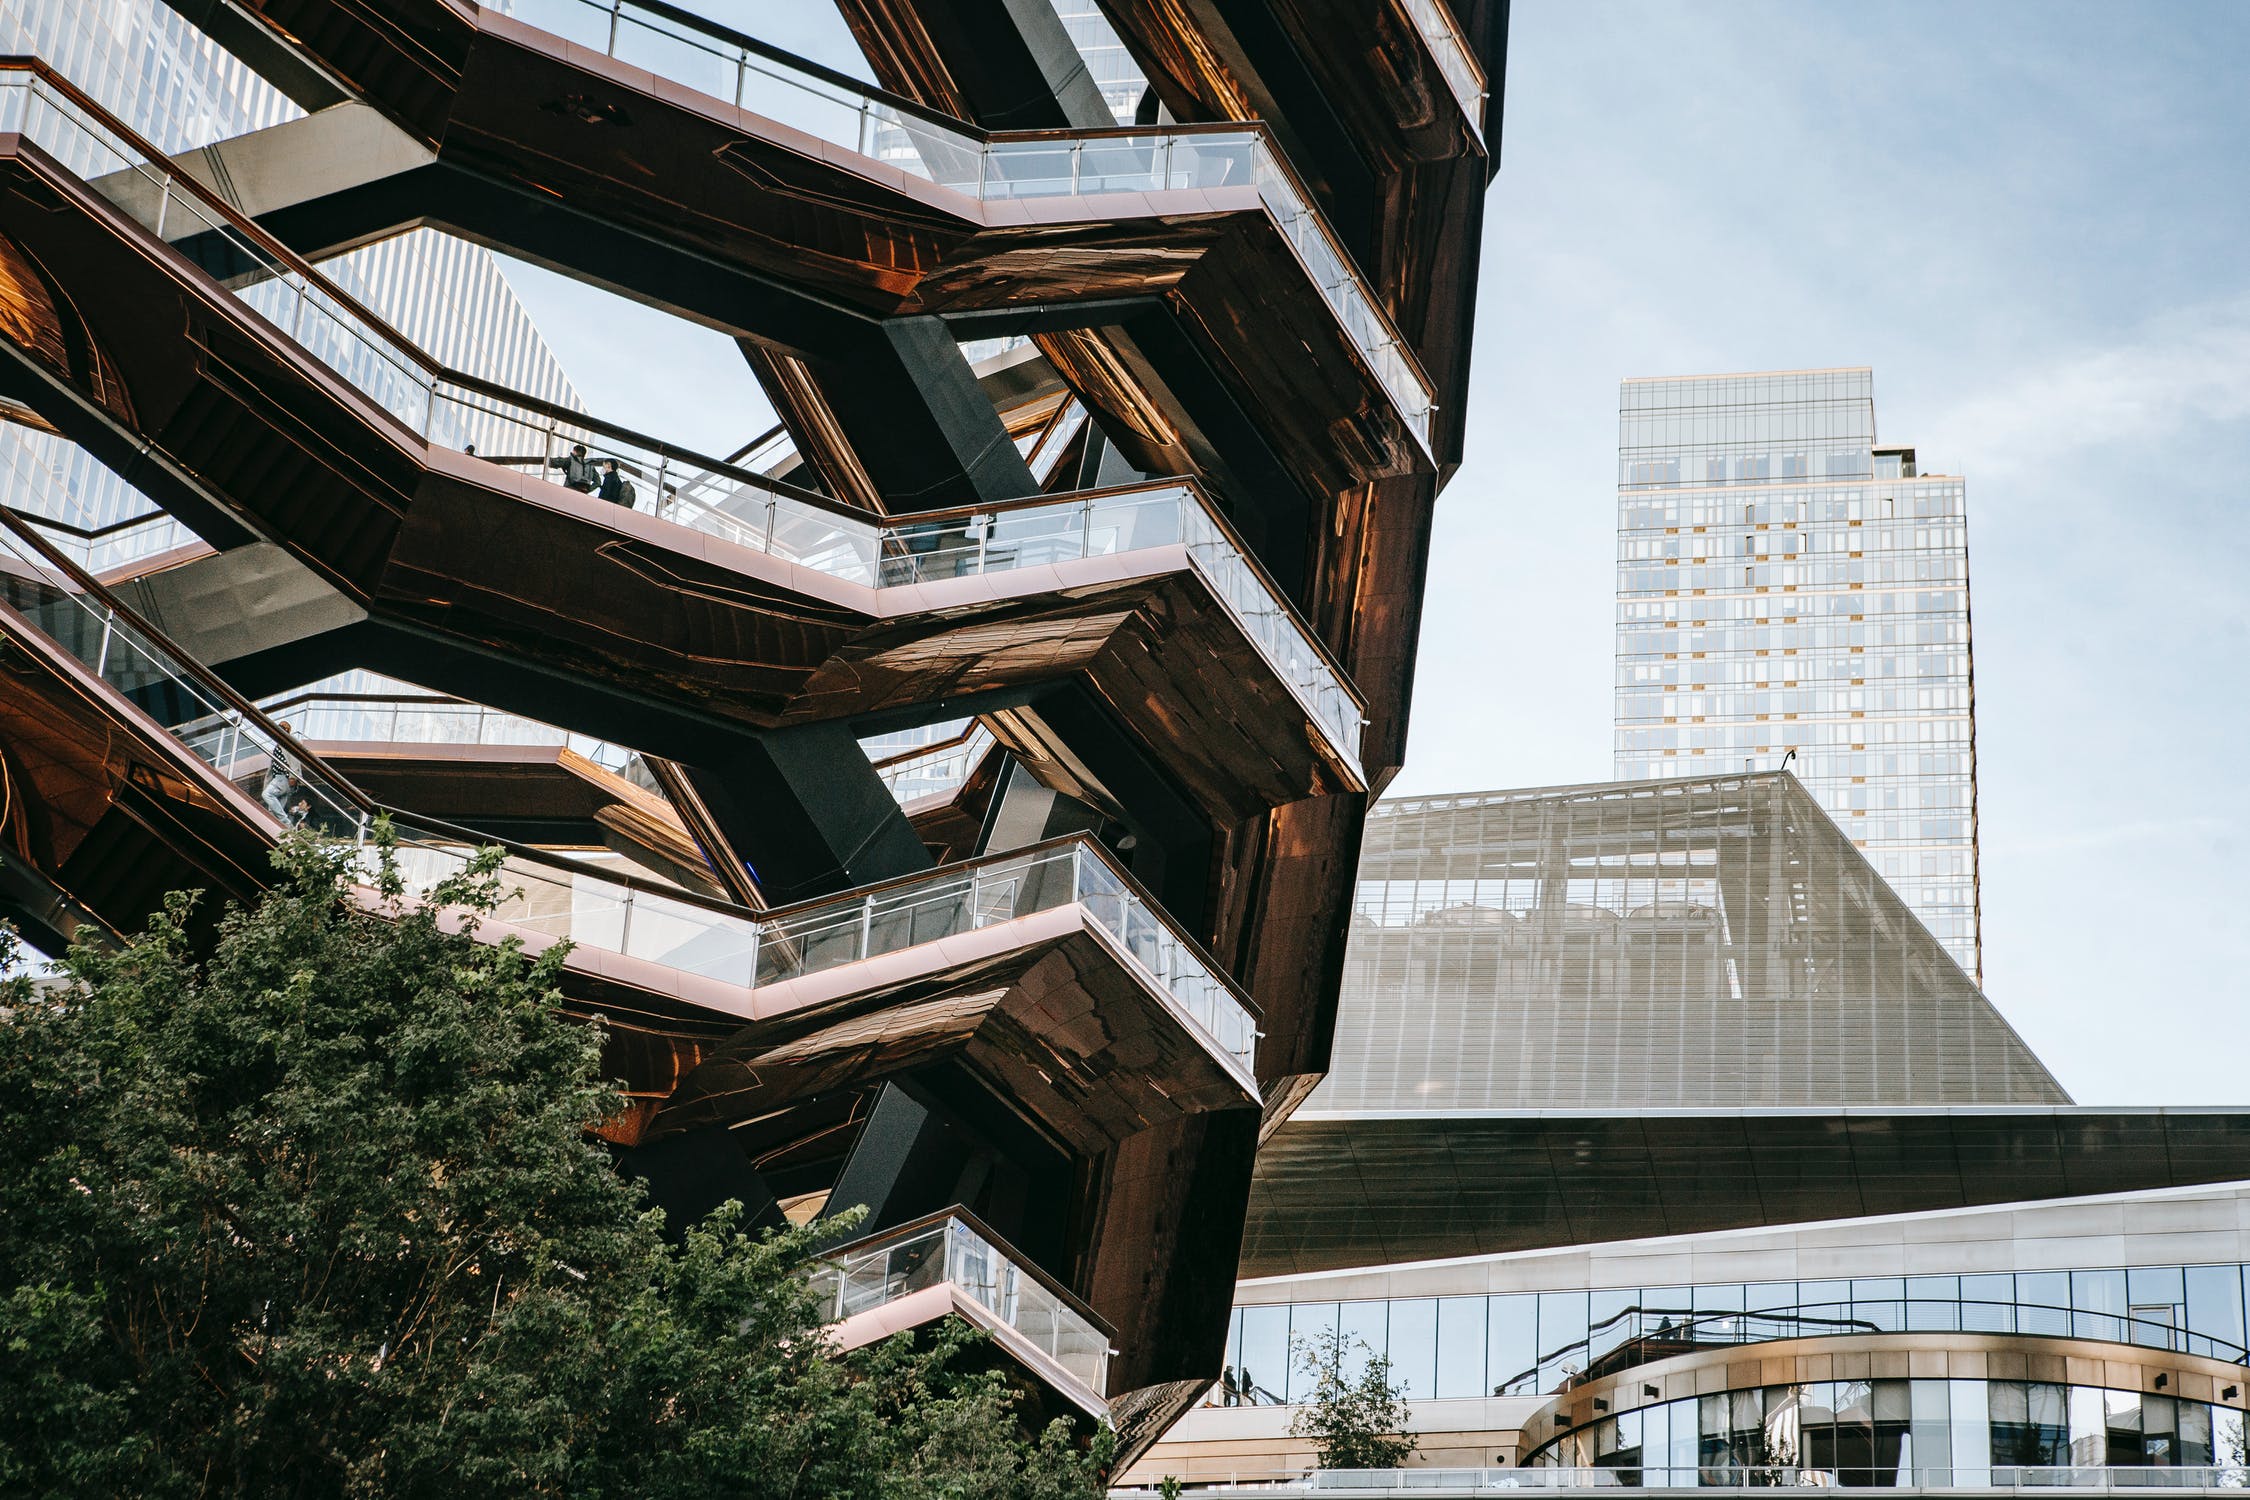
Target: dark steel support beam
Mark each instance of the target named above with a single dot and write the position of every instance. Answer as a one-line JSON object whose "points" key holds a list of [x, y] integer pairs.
{"points": [[690, 1174], [807, 811], [891, 416]]}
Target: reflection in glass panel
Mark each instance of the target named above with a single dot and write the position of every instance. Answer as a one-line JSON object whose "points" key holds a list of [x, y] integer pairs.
{"points": [[1933, 1303], [2097, 1300], [1262, 1368], [2230, 1436], [1825, 1299], [1413, 1346], [2194, 1444], [2156, 1299], [1608, 1322], [1562, 1329], [1876, 1302], [2089, 1427], [1461, 1348], [1512, 1337], [1988, 1304], [1311, 1326], [1972, 1433], [1767, 1296], [2030, 1423], [1366, 1332], [1929, 1442], [2214, 1307], [2043, 1303]]}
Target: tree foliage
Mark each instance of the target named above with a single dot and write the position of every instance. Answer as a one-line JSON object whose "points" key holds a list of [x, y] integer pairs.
{"points": [[1354, 1421], [316, 1214]]}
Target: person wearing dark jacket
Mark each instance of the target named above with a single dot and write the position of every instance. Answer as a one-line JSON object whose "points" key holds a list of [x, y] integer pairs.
{"points": [[616, 488], [578, 470]]}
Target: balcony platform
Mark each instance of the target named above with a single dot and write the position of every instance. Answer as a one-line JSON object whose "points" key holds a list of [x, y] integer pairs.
{"points": [[686, 633]]}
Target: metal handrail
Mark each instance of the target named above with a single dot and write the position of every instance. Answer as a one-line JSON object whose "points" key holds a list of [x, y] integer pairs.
{"points": [[951, 1247], [352, 810], [868, 541], [1390, 345], [1813, 1325], [1040, 1274]]}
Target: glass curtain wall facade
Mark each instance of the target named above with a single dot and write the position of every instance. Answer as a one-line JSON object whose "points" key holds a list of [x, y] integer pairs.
{"points": [[170, 82], [1886, 1432], [1786, 583], [1529, 1343]]}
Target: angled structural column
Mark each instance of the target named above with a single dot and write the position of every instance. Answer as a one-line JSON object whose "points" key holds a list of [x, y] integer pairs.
{"points": [[892, 418]]}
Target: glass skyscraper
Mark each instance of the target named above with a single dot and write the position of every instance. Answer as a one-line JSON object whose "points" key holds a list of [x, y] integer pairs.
{"points": [[1787, 583]]}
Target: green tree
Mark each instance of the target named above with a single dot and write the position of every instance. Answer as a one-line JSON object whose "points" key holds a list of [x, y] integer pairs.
{"points": [[316, 1214], [1353, 1422]]}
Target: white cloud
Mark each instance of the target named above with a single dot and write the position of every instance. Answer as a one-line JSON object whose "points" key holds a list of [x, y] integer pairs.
{"points": [[2185, 368]]}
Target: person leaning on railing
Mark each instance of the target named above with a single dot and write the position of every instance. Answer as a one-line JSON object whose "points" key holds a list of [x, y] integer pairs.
{"points": [[577, 469]]}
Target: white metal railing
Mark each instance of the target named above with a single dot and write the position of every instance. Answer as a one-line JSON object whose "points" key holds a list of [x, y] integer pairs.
{"points": [[713, 498], [355, 718], [564, 900], [115, 547], [836, 109], [874, 1272]]}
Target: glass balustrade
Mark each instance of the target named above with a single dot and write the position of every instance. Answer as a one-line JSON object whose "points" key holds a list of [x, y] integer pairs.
{"points": [[117, 545], [718, 499], [938, 770], [874, 1272], [562, 900], [844, 112], [356, 718], [1464, 75]]}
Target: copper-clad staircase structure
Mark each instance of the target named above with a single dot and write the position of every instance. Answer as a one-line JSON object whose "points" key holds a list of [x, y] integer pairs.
{"points": [[1141, 594]]}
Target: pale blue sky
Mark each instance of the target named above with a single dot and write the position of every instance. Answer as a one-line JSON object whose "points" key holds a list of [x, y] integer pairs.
{"points": [[2031, 219]]}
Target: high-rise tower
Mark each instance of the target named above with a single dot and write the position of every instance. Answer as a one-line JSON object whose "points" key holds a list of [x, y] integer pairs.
{"points": [[1788, 583]]}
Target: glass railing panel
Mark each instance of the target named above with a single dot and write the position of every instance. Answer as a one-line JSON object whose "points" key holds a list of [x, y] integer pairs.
{"points": [[920, 915], [1122, 164], [824, 541], [1044, 168], [664, 50], [859, 1280], [999, 167], [1036, 536], [868, 1279], [789, 528], [693, 939], [991, 1277], [1182, 976], [930, 551], [1218, 160], [1463, 76], [573, 20], [1134, 520], [589, 909]]}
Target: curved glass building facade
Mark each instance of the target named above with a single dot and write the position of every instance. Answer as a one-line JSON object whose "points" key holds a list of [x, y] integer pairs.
{"points": [[1966, 1433], [1531, 1343]]}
